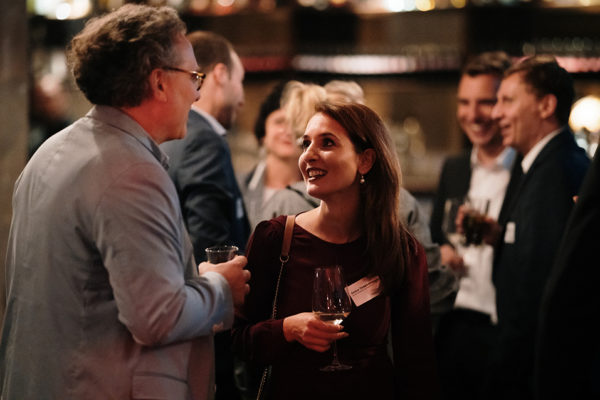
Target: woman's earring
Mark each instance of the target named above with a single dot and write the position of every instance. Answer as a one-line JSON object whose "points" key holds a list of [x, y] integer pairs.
{"points": [[362, 179]]}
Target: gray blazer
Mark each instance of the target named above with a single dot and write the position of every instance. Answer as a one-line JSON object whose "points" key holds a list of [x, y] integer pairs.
{"points": [[104, 300]]}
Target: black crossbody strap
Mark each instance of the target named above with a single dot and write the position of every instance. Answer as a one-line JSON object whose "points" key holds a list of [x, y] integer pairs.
{"points": [[284, 258]]}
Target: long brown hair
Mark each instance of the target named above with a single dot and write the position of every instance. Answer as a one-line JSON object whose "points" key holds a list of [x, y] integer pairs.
{"points": [[389, 244]]}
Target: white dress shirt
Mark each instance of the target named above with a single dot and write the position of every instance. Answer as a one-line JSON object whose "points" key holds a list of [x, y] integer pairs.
{"points": [[476, 290], [536, 150]]}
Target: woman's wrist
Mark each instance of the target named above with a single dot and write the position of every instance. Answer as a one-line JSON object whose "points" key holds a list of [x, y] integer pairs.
{"points": [[287, 329]]}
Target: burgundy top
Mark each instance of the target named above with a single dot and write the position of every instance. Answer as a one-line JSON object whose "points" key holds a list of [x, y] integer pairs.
{"points": [[296, 372]]}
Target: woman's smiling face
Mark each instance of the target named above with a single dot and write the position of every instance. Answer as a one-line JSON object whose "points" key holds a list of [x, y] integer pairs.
{"points": [[329, 161]]}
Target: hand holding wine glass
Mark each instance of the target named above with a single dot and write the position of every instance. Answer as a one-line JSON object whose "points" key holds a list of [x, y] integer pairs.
{"points": [[474, 220], [311, 332], [331, 304], [475, 224], [465, 221], [449, 223]]}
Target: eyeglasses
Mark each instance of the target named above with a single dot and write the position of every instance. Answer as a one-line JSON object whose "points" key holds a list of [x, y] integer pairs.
{"points": [[197, 77]]}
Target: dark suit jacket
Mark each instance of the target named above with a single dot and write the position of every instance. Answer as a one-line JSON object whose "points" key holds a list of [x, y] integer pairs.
{"points": [[212, 205], [568, 347], [539, 212]]}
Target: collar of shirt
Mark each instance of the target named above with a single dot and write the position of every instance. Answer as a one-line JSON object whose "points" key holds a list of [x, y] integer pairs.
{"points": [[504, 160], [530, 157], [257, 175], [211, 120], [114, 117]]}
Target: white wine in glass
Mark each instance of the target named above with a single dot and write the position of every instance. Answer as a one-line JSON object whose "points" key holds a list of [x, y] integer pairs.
{"points": [[335, 318], [331, 304]]}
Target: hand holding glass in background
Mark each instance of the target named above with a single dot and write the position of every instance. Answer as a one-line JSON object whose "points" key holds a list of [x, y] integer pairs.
{"points": [[464, 222], [474, 220]]}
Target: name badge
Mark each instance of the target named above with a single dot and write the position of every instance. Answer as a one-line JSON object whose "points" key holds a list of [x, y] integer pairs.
{"points": [[239, 208], [509, 234], [363, 290]]}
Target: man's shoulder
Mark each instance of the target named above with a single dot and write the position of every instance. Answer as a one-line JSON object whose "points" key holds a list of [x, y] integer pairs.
{"points": [[198, 128], [458, 161], [456, 170], [104, 145], [560, 156], [555, 175], [200, 138]]}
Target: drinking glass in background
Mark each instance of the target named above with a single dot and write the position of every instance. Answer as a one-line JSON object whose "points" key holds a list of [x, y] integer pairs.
{"points": [[473, 223], [331, 303], [220, 254], [451, 206]]}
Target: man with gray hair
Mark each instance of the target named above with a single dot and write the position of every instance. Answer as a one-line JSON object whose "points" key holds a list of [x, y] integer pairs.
{"points": [[105, 300]]}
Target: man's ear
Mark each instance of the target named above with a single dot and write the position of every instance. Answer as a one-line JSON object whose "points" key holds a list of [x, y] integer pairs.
{"points": [[221, 73], [547, 105], [366, 161], [158, 84]]}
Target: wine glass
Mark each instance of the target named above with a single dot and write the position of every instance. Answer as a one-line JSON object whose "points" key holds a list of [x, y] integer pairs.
{"points": [[330, 303], [451, 207], [473, 224]]}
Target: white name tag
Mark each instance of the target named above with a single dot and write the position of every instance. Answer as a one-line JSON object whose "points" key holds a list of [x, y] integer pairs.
{"points": [[509, 234], [363, 290], [239, 208]]}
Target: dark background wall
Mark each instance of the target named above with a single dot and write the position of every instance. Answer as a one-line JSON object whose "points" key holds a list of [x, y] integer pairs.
{"points": [[13, 113]]}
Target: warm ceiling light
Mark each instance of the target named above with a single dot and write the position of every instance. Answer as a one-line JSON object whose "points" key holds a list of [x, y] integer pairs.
{"points": [[62, 9], [586, 114]]}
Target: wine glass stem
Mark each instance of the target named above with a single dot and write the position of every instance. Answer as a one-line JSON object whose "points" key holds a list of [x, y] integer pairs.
{"points": [[335, 360]]}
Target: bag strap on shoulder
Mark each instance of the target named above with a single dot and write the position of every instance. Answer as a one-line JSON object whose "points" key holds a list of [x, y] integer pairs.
{"points": [[284, 257], [287, 238]]}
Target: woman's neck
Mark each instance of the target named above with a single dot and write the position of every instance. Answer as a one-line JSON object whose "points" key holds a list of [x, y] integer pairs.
{"points": [[279, 172], [334, 221]]}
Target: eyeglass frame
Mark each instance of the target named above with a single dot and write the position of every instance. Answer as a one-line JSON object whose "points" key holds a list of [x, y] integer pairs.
{"points": [[197, 76]]}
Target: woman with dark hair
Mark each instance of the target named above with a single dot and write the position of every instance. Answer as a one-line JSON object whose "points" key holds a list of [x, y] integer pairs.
{"points": [[349, 163]]}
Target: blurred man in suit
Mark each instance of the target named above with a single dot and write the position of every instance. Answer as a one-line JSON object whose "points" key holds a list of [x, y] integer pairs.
{"points": [[568, 349], [200, 164], [467, 332], [201, 168], [534, 103]]}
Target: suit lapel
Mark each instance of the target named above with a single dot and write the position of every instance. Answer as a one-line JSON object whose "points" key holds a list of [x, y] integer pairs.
{"points": [[513, 188], [463, 180], [560, 141]]}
